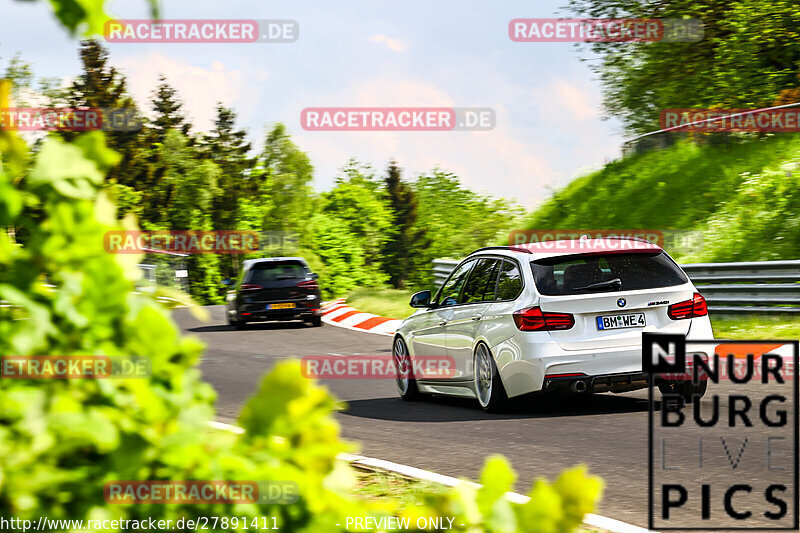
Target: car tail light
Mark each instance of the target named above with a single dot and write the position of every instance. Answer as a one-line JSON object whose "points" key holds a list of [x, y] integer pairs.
{"points": [[249, 287], [534, 319], [308, 284], [689, 308]]}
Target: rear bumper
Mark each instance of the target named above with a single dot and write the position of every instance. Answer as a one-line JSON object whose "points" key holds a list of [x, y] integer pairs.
{"points": [[624, 382], [531, 366], [278, 314]]}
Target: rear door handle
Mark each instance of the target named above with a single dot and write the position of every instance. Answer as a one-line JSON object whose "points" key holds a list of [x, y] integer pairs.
{"points": [[443, 323], [476, 317]]}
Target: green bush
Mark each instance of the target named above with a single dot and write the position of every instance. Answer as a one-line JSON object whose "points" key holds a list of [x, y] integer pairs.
{"points": [[761, 222], [342, 258]]}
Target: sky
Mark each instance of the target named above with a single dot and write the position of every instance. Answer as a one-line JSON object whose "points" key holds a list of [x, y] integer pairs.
{"points": [[549, 124]]}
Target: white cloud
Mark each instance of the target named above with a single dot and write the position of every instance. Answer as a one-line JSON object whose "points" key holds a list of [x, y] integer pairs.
{"points": [[576, 100], [567, 101], [199, 88], [394, 45], [497, 161]]}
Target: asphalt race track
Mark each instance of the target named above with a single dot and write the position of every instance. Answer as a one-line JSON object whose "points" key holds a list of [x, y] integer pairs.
{"points": [[449, 436]]}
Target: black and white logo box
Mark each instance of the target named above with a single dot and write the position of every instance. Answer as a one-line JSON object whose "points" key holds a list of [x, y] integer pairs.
{"points": [[730, 461]]}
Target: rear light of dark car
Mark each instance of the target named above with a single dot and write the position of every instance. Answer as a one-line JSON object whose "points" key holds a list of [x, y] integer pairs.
{"points": [[249, 287], [688, 309], [308, 284], [534, 319]]}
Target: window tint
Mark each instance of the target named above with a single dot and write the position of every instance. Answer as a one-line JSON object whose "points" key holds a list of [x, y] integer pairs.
{"points": [[481, 282], [491, 284], [450, 291], [509, 284], [275, 271], [595, 273]]}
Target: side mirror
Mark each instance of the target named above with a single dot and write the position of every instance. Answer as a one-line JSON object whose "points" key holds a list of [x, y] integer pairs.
{"points": [[314, 275], [227, 281], [421, 299]]}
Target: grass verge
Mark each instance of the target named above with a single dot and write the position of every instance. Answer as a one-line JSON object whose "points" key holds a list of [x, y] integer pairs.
{"points": [[377, 485], [392, 303], [756, 327]]}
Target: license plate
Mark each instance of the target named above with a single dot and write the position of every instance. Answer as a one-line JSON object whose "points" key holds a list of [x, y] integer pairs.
{"points": [[628, 320], [281, 306]]}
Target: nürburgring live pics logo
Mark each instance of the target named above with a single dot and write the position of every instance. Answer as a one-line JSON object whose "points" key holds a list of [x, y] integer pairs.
{"points": [[730, 460]]}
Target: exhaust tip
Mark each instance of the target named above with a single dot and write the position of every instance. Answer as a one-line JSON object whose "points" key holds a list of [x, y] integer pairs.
{"points": [[578, 386]]}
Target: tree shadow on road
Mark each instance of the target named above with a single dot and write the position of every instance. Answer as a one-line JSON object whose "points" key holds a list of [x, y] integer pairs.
{"points": [[447, 409]]}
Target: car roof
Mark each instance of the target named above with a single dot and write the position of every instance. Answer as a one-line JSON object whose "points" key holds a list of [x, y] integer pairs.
{"points": [[545, 249], [250, 262]]}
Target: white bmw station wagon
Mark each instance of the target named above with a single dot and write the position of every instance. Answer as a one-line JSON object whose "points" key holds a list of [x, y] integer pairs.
{"points": [[551, 316]]}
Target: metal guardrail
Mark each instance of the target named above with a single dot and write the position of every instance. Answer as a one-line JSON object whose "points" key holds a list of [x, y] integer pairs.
{"points": [[748, 287], [442, 269], [761, 287]]}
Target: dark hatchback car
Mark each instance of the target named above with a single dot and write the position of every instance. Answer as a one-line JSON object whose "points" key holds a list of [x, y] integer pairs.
{"points": [[275, 288]]}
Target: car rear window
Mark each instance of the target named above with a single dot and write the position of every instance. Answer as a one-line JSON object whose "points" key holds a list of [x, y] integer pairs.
{"points": [[275, 271], [589, 274]]}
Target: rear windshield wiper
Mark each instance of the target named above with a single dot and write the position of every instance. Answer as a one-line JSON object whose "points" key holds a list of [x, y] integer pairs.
{"points": [[616, 282]]}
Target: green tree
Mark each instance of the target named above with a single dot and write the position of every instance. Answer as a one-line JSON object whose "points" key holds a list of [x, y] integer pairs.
{"points": [[228, 148], [749, 54], [284, 173], [340, 254], [185, 195], [20, 74], [168, 110], [359, 200], [402, 252], [189, 184], [101, 86], [460, 220]]}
